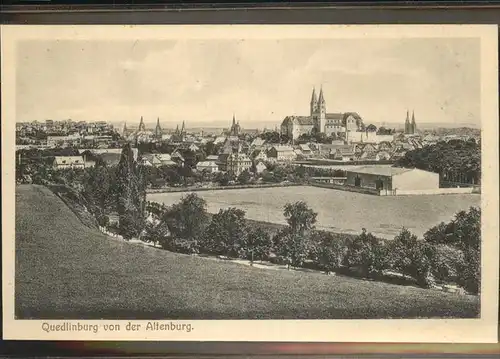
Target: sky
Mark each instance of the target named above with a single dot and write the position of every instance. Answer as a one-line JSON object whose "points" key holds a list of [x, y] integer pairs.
{"points": [[203, 82]]}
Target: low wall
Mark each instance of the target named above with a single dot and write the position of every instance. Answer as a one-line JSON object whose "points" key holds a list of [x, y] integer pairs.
{"points": [[345, 188], [197, 189], [321, 162], [399, 192]]}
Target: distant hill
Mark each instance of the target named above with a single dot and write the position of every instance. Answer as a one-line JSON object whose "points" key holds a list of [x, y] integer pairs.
{"points": [[428, 125]]}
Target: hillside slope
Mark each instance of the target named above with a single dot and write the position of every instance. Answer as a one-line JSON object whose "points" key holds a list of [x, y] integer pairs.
{"points": [[67, 270]]}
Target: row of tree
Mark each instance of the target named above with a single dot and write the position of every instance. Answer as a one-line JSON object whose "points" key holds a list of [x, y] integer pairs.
{"points": [[448, 255], [448, 159]]}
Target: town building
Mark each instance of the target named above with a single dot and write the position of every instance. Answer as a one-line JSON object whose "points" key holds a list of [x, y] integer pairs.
{"points": [[208, 166], [234, 163], [68, 162], [343, 153], [260, 167], [392, 180], [259, 155], [281, 153], [319, 121]]}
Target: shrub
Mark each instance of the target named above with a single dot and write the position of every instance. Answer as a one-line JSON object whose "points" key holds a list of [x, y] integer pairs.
{"points": [[328, 253], [188, 218], [366, 254], [448, 263], [256, 245], [225, 232], [185, 246], [291, 247], [412, 257]]}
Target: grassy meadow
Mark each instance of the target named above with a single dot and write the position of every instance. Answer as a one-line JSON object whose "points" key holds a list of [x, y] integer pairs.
{"points": [[65, 270], [338, 211]]}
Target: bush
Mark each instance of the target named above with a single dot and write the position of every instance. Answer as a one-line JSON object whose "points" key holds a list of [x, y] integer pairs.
{"points": [[448, 263], [411, 256], [291, 247], [225, 232], [328, 253], [186, 246], [470, 275], [257, 245], [102, 220], [366, 254]]}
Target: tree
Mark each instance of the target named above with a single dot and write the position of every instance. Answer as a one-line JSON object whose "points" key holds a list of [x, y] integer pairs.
{"points": [[187, 219], [463, 233], [299, 217], [223, 178], [271, 137], [412, 257], [130, 195], [367, 254], [226, 231], [371, 128], [98, 189], [438, 234], [158, 232], [329, 252], [256, 245], [455, 161], [291, 247], [244, 177], [448, 263]]}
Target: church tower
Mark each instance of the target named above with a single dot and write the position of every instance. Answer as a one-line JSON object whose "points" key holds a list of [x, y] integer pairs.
{"points": [[413, 123], [158, 131], [407, 123], [142, 127], [235, 128], [314, 103], [321, 111]]}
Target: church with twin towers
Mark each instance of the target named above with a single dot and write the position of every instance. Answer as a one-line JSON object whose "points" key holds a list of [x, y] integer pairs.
{"points": [[321, 121]]}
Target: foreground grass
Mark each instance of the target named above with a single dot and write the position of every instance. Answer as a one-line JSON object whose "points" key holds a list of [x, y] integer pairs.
{"points": [[66, 270]]}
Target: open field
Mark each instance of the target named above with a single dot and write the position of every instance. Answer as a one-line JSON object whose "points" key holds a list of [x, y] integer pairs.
{"points": [[65, 270], [339, 211]]}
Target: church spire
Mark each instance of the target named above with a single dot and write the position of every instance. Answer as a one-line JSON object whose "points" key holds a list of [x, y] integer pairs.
{"points": [[142, 127], [158, 128], [413, 123], [321, 99], [183, 128], [407, 122], [314, 99]]}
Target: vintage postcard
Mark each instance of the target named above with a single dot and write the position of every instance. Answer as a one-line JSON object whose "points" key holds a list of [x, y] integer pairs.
{"points": [[250, 183]]}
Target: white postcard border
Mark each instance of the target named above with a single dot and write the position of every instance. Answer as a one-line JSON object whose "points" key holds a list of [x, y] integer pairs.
{"points": [[482, 330]]}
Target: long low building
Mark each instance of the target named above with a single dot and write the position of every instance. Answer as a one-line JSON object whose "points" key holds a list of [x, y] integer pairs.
{"points": [[393, 180]]}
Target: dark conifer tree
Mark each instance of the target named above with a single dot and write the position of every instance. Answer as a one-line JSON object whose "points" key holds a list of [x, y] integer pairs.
{"points": [[131, 195]]}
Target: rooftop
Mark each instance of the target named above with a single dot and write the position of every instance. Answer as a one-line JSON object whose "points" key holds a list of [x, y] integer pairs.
{"points": [[381, 171]]}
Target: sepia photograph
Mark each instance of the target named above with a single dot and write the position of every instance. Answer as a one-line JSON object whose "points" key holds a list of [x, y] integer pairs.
{"points": [[175, 179]]}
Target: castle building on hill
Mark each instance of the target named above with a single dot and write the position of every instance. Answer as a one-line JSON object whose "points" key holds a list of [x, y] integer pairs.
{"points": [[410, 127], [319, 121]]}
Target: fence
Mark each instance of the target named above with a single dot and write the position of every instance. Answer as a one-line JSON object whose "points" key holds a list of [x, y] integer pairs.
{"points": [[345, 188], [322, 162], [401, 192], [215, 188]]}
